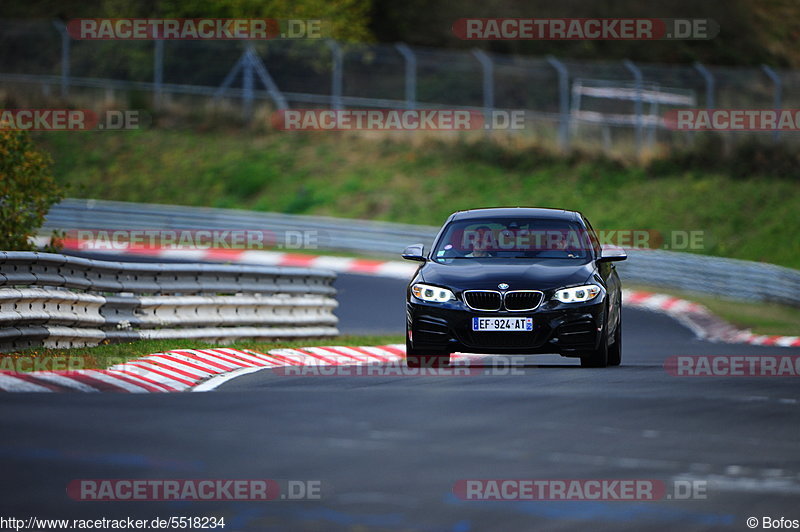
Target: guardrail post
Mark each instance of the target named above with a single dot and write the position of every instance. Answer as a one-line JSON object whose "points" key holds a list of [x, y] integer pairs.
{"points": [[637, 76], [488, 81], [708, 77], [336, 74], [66, 42], [411, 74], [777, 95], [563, 102], [247, 85], [158, 72]]}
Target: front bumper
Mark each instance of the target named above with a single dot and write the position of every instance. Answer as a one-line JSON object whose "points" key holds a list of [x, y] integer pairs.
{"points": [[567, 329]]}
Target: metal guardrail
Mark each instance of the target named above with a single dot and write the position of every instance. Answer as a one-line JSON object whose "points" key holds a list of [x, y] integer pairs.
{"points": [[730, 278], [358, 236], [61, 301], [686, 271]]}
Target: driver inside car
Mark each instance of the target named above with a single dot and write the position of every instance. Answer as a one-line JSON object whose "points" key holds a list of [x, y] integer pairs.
{"points": [[480, 244]]}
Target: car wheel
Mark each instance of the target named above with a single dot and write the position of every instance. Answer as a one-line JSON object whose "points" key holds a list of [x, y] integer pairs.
{"points": [[419, 358], [615, 351], [597, 358]]}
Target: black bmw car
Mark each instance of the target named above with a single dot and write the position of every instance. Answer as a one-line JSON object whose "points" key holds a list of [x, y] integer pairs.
{"points": [[515, 280]]}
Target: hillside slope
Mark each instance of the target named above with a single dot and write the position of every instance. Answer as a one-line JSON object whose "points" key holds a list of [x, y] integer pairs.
{"points": [[397, 180]]}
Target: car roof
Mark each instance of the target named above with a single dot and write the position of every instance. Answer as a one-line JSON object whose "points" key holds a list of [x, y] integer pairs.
{"points": [[525, 212]]}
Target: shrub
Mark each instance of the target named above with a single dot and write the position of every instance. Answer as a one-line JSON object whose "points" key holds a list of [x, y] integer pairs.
{"points": [[27, 190]]}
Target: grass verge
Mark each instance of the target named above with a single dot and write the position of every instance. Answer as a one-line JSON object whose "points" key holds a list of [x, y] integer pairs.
{"points": [[403, 179], [103, 356]]}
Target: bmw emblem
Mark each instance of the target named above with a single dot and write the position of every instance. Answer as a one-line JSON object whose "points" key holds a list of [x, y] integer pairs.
{"points": [[503, 286]]}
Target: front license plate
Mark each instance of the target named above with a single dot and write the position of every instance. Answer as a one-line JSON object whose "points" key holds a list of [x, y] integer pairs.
{"points": [[502, 324]]}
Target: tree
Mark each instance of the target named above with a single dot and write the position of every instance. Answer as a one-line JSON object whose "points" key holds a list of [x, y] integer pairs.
{"points": [[348, 19], [27, 189]]}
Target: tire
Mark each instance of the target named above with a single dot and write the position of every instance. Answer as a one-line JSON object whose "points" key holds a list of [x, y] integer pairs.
{"points": [[615, 350], [417, 358], [597, 358]]}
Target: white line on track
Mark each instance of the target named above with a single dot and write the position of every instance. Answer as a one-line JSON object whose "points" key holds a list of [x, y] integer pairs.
{"points": [[218, 380]]}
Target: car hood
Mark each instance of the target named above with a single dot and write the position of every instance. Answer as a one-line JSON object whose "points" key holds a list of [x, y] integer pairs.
{"points": [[528, 275]]}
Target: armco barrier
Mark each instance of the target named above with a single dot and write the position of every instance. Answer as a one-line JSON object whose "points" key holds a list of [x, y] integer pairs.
{"points": [[687, 271], [61, 301], [359, 236], [731, 278]]}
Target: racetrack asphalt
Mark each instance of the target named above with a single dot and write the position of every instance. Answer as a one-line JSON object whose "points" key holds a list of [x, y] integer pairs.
{"points": [[388, 450]]}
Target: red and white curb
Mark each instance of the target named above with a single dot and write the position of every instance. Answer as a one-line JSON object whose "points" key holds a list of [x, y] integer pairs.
{"points": [[701, 321], [392, 268], [184, 369]]}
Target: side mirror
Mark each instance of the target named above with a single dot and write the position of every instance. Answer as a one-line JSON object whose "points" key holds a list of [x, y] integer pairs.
{"points": [[612, 254], [415, 252]]}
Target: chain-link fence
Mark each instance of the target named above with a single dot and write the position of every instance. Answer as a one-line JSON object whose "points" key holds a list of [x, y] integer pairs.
{"points": [[612, 105]]}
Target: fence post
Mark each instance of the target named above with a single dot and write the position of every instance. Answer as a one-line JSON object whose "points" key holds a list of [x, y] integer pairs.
{"points": [[563, 102], [158, 72], [709, 80], [336, 75], [272, 88], [247, 85], [488, 82], [637, 76], [411, 74], [575, 104], [65, 53], [777, 94]]}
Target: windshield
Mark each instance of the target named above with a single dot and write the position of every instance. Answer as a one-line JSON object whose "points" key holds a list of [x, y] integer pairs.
{"points": [[513, 238]]}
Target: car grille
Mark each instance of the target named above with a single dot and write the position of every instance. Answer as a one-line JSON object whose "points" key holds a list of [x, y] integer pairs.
{"points": [[523, 300], [483, 299], [517, 300]]}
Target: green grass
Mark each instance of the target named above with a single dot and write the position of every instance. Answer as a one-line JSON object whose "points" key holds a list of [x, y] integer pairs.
{"points": [[422, 180], [760, 318], [103, 356]]}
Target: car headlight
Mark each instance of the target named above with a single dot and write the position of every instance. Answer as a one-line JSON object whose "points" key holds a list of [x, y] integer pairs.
{"points": [[434, 294], [577, 294]]}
